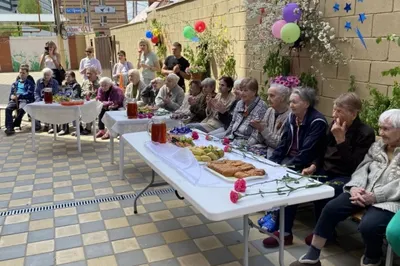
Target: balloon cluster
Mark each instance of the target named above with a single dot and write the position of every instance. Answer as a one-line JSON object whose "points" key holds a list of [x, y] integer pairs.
{"points": [[153, 35], [190, 33], [287, 29]]}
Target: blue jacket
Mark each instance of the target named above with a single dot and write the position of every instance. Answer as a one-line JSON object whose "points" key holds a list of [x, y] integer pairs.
{"points": [[28, 95], [39, 94], [311, 140]]}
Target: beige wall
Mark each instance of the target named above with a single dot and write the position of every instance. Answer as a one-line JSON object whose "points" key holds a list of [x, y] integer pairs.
{"points": [[383, 17]]}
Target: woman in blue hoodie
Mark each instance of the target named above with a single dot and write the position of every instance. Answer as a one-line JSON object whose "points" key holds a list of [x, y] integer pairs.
{"points": [[302, 142]]}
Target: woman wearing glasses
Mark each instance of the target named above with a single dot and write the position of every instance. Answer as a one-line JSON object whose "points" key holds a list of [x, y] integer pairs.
{"points": [[89, 61]]}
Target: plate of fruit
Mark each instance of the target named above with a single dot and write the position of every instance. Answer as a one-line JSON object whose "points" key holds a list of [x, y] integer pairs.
{"points": [[181, 141], [205, 154]]}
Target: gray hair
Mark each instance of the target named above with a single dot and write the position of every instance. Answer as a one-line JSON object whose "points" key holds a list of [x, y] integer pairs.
{"points": [[47, 70], [173, 77], [237, 83], [209, 82], [392, 116], [307, 94], [92, 69], [106, 81], [283, 90], [135, 72]]}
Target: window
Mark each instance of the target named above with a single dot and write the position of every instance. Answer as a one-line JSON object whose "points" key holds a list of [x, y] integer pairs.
{"points": [[86, 20], [103, 20]]}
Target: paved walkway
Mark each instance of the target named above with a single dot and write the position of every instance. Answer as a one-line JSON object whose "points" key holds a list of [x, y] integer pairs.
{"points": [[166, 232]]}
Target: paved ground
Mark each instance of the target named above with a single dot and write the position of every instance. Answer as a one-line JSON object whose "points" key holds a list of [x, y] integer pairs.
{"points": [[166, 232]]}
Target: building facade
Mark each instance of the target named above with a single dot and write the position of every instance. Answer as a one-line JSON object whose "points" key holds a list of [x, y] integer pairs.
{"points": [[89, 15]]}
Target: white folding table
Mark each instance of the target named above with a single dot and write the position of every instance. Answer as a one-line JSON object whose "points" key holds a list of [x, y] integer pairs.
{"points": [[118, 123], [214, 202], [56, 114]]}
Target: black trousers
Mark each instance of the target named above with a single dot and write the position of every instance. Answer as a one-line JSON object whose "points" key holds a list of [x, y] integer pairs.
{"points": [[10, 124], [101, 124], [372, 226]]}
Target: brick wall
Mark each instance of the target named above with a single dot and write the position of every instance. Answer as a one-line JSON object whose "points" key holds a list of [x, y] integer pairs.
{"points": [[383, 17]]}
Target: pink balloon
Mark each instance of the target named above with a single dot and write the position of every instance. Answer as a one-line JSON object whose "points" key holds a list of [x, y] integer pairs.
{"points": [[276, 28]]}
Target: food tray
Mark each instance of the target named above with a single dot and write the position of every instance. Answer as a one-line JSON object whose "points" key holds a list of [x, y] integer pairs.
{"points": [[73, 103], [233, 179]]}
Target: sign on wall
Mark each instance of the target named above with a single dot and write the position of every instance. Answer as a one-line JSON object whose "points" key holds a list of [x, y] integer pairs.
{"points": [[104, 9], [75, 10]]}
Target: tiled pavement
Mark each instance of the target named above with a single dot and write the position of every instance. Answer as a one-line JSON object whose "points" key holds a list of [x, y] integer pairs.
{"points": [[166, 232]]}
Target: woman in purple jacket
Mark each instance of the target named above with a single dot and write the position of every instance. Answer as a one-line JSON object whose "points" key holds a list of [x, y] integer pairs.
{"points": [[112, 98]]}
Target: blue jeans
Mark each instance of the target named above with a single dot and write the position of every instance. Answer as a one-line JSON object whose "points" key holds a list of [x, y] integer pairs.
{"points": [[372, 226], [290, 211]]}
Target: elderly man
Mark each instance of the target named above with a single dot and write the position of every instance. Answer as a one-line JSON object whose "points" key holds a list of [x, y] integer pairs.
{"points": [[90, 86], [22, 93], [171, 95], [374, 188], [347, 142]]}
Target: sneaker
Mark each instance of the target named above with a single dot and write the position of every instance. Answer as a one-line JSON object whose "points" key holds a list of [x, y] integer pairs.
{"points": [[271, 242], [46, 128], [369, 262], [100, 134], [51, 131], [306, 262], [62, 133], [9, 132]]}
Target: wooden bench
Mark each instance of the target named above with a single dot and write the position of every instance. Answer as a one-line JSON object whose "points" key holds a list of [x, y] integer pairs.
{"points": [[389, 252]]}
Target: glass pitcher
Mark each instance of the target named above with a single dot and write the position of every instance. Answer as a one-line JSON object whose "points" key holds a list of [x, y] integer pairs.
{"points": [[132, 109], [157, 128], [48, 95]]}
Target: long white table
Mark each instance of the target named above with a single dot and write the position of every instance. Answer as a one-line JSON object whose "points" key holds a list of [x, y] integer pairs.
{"points": [[214, 202], [118, 123], [56, 114]]}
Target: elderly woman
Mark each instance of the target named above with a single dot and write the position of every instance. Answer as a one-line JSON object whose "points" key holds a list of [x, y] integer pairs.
{"points": [[250, 108], [112, 98], [149, 94], [225, 115], [147, 61], [45, 82], [171, 95], [193, 108], [374, 187], [215, 103], [135, 86], [347, 141], [271, 126], [121, 68]]}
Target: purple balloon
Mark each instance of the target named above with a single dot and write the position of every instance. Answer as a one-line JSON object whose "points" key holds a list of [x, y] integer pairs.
{"points": [[291, 12]]}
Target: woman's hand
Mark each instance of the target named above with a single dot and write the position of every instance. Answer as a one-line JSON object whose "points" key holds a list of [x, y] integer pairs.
{"points": [[220, 107], [357, 196], [144, 66], [257, 124], [192, 100], [309, 170]]}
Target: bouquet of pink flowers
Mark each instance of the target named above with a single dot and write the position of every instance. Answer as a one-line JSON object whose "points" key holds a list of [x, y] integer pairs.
{"points": [[287, 81]]}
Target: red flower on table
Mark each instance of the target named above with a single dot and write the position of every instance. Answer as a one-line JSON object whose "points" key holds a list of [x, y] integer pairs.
{"points": [[240, 185], [226, 141], [208, 137], [195, 135], [227, 148], [235, 196]]}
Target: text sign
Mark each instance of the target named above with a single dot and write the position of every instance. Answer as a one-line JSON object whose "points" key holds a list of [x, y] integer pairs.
{"points": [[104, 9], [75, 10]]}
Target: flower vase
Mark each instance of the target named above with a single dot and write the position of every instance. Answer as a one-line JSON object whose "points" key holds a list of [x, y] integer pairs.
{"points": [[196, 76]]}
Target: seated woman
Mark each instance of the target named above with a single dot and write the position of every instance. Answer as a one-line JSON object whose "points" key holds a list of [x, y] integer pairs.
{"points": [[271, 126], [193, 108], [251, 107], [46, 81], [225, 115], [73, 90], [347, 142], [222, 101], [135, 86], [374, 188], [171, 95], [149, 94], [393, 233], [112, 98]]}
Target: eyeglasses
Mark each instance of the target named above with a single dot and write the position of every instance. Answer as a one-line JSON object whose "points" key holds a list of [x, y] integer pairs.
{"points": [[89, 52]]}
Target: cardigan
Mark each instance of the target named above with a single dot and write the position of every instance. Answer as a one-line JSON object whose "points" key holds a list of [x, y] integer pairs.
{"points": [[115, 97], [380, 176], [176, 96]]}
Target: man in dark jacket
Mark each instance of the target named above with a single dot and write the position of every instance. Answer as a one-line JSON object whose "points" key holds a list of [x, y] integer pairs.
{"points": [[347, 142], [22, 93]]}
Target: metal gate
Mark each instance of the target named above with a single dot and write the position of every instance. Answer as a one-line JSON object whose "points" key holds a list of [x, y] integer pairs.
{"points": [[105, 52]]}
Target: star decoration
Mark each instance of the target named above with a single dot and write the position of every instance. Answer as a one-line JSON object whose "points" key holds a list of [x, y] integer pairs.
{"points": [[362, 17], [347, 26], [347, 7], [361, 37], [336, 7]]}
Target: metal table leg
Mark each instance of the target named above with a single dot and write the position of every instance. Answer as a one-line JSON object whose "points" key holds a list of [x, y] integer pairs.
{"points": [[112, 148], [389, 256], [55, 131], [94, 130], [78, 135], [281, 235], [151, 184], [33, 130], [121, 157], [246, 230]]}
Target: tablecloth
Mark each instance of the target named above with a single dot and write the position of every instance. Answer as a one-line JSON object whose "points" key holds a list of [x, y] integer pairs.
{"points": [[57, 114], [117, 122]]}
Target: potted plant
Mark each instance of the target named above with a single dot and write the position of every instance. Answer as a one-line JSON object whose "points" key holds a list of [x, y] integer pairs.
{"points": [[197, 63]]}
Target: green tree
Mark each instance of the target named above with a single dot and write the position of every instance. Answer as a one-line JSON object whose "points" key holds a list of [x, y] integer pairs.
{"points": [[28, 6]]}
